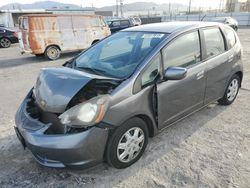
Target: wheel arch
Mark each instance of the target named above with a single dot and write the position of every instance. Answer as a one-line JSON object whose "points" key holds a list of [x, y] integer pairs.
{"points": [[52, 45], [95, 41], [148, 122], [240, 74]]}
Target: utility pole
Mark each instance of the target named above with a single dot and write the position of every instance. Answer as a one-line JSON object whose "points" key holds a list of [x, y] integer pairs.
{"points": [[189, 7], [121, 7], [117, 6]]}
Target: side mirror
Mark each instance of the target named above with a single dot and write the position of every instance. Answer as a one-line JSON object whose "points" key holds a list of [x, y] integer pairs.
{"points": [[175, 73]]}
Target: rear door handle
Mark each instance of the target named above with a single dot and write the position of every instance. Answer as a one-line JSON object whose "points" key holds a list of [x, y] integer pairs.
{"points": [[230, 58], [200, 75]]}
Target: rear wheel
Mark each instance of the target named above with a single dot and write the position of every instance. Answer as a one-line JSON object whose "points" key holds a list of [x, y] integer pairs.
{"points": [[127, 143], [231, 91], [52, 52], [5, 42]]}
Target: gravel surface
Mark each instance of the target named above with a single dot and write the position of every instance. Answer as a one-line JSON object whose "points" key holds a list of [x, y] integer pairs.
{"points": [[210, 148]]}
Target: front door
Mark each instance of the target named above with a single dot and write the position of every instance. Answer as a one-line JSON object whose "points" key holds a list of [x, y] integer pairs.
{"points": [[178, 98]]}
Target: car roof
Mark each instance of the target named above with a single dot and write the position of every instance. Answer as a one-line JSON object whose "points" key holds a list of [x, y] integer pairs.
{"points": [[170, 27], [124, 19]]}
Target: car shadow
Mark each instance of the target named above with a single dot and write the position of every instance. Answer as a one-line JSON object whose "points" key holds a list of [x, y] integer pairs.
{"points": [[32, 59], [21, 167]]}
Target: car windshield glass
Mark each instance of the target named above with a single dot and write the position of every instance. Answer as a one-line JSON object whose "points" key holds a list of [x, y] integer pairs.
{"points": [[118, 55], [221, 20]]}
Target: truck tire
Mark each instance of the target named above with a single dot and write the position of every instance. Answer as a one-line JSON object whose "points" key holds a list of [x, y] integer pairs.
{"points": [[52, 52]]}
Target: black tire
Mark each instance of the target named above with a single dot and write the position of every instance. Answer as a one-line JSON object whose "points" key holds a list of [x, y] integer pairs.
{"points": [[39, 55], [115, 139], [225, 100], [52, 52], [5, 42], [95, 41]]}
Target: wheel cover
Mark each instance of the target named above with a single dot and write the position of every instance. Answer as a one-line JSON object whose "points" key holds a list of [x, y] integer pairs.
{"points": [[52, 53], [232, 90], [5, 42], [130, 144]]}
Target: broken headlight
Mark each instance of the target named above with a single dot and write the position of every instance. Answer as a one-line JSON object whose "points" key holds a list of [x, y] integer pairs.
{"points": [[87, 113]]}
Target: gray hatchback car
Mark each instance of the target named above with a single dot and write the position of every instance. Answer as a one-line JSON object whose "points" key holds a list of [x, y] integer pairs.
{"points": [[104, 104]]}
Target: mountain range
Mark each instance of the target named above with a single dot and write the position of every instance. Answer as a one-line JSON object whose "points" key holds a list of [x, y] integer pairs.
{"points": [[137, 6]]}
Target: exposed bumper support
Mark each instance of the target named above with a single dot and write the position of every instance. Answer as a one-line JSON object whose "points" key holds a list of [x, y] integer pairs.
{"points": [[60, 150]]}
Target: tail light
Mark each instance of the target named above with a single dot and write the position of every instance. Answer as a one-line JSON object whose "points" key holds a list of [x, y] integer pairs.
{"points": [[15, 34]]}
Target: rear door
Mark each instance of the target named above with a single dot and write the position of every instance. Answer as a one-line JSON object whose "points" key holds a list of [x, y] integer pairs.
{"points": [[23, 35], [217, 60], [179, 98], [82, 31], [67, 41]]}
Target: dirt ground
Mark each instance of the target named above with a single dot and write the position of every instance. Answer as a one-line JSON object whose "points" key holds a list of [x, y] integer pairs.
{"points": [[211, 148]]}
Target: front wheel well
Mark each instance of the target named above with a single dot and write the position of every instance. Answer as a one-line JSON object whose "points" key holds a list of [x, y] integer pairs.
{"points": [[240, 74], [149, 123], [95, 41]]}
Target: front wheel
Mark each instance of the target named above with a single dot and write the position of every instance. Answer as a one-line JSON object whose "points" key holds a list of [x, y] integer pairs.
{"points": [[52, 52], [5, 42], [127, 143], [231, 91]]}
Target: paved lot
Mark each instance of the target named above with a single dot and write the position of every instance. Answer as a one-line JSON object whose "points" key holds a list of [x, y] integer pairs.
{"points": [[208, 149]]}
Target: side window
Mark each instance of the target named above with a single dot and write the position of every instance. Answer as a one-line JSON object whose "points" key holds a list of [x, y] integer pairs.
{"points": [[25, 23], [151, 71], [230, 36], [95, 22], [124, 22], [103, 23], [2, 31], [182, 52], [214, 42], [116, 23]]}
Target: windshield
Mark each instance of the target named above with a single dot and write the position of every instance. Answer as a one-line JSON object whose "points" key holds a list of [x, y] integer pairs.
{"points": [[221, 20], [118, 55]]}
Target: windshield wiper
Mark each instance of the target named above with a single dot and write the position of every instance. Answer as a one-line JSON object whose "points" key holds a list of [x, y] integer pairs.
{"points": [[95, 71]]}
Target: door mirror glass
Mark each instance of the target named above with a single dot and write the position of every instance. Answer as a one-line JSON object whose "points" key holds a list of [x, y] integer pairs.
{"points": [[175, 73]]}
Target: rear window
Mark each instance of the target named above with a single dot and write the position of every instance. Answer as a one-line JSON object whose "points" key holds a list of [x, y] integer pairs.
{"points": [[230, 36], [24, 23], [214, 42]]}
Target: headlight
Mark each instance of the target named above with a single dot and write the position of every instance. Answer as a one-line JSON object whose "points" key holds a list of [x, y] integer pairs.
{"points": [[87, 113]]}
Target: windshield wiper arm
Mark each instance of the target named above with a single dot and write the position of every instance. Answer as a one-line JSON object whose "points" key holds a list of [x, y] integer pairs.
{"points": [[93, 70]]}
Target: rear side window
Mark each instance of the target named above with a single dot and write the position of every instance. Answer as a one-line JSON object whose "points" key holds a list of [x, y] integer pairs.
{"points": [[214, 42], [230, 36], [116, 23], [182, 52], [124, 22]]}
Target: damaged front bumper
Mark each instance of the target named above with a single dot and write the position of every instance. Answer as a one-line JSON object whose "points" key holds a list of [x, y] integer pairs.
{"points": [[59, 150]]}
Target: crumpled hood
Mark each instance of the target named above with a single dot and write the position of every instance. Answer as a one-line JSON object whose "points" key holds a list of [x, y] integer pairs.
{"points": [[55, 87]]}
